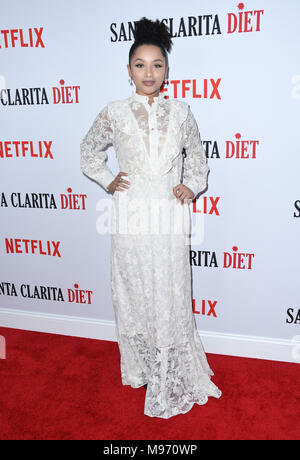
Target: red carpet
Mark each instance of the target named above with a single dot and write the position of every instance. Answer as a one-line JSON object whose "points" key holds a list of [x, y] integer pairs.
{"points": [[58, 387]]}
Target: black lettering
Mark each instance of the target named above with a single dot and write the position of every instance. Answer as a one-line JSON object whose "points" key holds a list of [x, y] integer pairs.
{"points": [[182, 28], [192, 25], [122, 33], [297, 206], [25, 94], [113, 32], [289, 313]]}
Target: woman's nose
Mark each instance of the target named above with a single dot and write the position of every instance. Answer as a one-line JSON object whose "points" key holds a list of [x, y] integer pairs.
{"points": [[148, 71]]}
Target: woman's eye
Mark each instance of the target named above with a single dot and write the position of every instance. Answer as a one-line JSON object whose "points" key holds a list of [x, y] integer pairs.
{"points": [[157, 66]]}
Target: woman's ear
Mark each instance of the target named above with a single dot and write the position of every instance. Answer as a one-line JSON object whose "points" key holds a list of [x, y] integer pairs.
{"points": [[129, 71]]}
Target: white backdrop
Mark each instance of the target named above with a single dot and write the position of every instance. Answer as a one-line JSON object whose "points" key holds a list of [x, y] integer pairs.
{"points": [[69, 57]]}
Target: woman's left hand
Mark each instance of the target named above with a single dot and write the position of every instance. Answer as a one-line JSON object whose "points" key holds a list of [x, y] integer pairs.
{"points": [[182, 192]]}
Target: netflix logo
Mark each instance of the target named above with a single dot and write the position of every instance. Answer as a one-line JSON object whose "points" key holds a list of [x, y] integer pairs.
{"points": [[206, 205], [206, 308], [22, 38], [22, 149], [34, 247], [195, 88]]}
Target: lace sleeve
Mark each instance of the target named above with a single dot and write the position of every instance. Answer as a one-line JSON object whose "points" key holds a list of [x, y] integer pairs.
{"points": [[92, 150], [195, 168]]}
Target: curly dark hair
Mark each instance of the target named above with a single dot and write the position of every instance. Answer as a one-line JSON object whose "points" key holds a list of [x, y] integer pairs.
{"points": [[149, 32]]}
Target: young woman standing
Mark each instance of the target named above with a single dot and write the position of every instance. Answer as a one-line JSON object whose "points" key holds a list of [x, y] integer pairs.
{"points": [[159, 345]]}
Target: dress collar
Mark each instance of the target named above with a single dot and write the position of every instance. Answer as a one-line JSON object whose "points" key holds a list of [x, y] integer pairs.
{"points": [[145, 99]]}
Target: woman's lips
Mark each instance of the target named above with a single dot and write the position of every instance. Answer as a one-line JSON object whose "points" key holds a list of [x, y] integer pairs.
{"points": [[149, 83]]}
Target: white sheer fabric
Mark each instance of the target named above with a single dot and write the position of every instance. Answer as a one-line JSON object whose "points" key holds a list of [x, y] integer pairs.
{"points": [[150, 266]]}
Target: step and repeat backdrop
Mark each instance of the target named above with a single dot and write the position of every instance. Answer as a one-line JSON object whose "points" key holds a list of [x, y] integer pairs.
{"points": [[237, 65]]}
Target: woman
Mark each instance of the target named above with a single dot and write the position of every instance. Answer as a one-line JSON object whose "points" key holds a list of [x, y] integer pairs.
{"points": [[150, 268]]}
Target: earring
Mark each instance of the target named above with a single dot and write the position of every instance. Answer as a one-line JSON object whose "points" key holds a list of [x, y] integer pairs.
{"points": [[130, 81]]}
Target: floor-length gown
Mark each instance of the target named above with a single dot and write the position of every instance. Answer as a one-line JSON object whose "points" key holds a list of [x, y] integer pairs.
{"points": [[150, 245]]}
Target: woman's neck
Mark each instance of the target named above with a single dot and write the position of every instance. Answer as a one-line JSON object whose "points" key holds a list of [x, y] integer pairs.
{"points": [[150, 96]]}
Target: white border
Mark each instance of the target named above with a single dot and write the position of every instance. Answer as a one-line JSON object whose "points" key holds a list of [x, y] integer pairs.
{"points": [[214, 342]]}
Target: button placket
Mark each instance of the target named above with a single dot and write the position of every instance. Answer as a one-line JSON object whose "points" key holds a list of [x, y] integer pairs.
{"points": [[153, 144]]}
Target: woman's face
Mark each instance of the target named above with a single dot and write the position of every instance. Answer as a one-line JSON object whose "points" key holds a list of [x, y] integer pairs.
{"points": [[148, 70]]}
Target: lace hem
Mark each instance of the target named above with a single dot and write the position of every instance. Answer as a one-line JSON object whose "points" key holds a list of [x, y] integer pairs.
{"points": [[177, 377]]}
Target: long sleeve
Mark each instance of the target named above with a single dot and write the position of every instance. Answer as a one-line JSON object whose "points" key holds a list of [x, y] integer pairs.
{"points": [[92, 150], [195, 169]]}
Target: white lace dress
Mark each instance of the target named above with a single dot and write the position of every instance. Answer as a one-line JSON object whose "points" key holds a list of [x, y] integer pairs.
{"points": [[150, 247]]}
